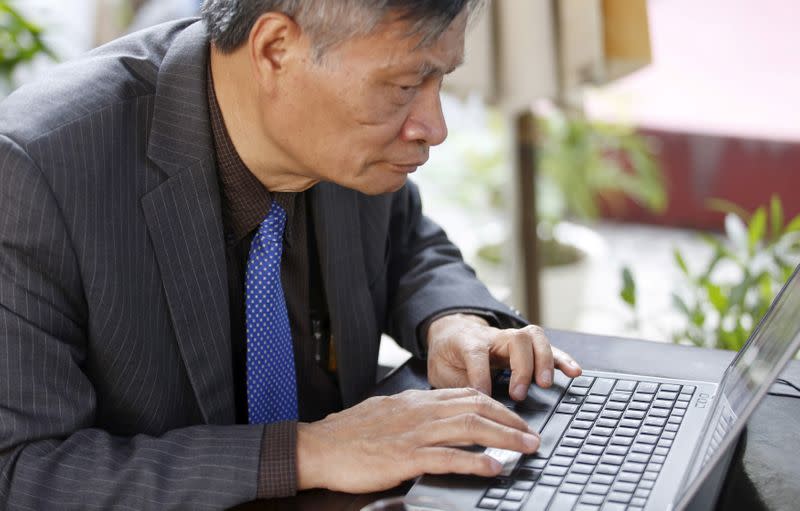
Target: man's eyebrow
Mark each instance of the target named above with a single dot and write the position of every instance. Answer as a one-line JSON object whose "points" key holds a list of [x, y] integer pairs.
{"points": [[428, 68]]}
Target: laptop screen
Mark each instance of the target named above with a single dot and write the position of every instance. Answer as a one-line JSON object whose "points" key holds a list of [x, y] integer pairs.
{"points": [[751, 373]]}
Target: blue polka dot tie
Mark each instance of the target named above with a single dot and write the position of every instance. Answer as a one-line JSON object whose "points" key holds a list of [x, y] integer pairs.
{"points": [[271, 380]]}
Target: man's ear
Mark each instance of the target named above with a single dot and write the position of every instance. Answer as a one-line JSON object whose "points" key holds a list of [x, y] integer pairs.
{"points": [[274, 40]]}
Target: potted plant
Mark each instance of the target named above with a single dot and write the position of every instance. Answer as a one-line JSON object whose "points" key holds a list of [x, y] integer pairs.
{"points": [[20, 43], [722, 300]]}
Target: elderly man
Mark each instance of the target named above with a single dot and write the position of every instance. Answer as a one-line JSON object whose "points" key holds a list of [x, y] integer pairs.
{"points": [[204, 229]]}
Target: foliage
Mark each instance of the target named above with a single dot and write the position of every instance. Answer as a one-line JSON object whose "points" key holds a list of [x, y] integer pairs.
{"points": [[582, 162], [20, 41], [724, 301]]}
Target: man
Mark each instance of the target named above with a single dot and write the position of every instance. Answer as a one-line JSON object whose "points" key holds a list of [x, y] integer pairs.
{"points": [[204, 228]]}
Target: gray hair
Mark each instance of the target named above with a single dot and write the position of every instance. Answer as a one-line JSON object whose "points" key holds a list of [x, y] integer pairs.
{"points": [[329, 22]]}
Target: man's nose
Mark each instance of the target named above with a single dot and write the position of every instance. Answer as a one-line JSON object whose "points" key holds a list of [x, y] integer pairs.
{"points": [[425, 122]]}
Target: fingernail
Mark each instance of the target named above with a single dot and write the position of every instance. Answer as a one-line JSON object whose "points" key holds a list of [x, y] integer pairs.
{"points": [[519, 392], [547, 377], [530, 441], [574, 364]]}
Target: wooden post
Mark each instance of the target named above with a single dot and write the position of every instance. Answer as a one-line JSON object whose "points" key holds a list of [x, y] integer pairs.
{"points": [[525, 135]]}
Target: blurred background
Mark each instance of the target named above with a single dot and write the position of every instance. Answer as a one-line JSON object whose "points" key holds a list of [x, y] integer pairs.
{"points": [[621, 167]]}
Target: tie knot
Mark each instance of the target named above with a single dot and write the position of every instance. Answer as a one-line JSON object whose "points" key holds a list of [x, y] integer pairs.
{"points": [[272, 227]]}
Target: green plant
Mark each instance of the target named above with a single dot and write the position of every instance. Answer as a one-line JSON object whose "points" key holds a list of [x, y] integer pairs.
{"points": [[725, 299], [20, 42], [583, 163]]}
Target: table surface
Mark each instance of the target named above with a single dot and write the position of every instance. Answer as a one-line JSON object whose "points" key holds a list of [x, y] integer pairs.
{"points": [[761, 474]]}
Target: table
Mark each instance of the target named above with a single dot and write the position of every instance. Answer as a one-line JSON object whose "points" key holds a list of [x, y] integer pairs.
{"points": [[762, 474]]}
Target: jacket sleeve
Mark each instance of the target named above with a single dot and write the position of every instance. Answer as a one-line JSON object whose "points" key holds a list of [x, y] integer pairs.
{"points": [[427, 276], [52, 456]]}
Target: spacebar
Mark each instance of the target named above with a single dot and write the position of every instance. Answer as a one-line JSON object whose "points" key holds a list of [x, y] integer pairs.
{"points": [[552, 433]]}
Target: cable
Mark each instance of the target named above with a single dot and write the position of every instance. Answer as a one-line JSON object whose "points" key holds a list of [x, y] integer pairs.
{"points": [[781, 381]]}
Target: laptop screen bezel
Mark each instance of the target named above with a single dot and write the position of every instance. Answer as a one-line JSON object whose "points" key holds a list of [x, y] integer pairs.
{"points": [[741, 421]]}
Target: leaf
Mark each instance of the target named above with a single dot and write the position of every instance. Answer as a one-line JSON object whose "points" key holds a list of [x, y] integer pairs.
{"points": [[757, 229], [717, 298], [737, 233], [628, 292], [681, 263], [679, 304], [727, 207], [794, 225], [776, 217]]}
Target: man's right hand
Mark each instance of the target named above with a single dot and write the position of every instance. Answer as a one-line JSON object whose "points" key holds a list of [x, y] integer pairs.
{"points": [[384, 441]]}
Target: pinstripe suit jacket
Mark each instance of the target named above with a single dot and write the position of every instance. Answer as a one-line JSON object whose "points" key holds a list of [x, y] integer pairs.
{"points": [[116, 387]]}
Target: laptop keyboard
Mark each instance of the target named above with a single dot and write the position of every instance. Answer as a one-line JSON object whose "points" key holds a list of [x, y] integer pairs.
{"points": [[603, 448]]}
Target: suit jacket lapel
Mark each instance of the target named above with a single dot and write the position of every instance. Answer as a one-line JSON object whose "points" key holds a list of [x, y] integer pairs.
{"points": [[353, 323], [185, 223]]}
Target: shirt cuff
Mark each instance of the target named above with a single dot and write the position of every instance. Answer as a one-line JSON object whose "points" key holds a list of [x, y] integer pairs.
{"points": [[277, 474]]}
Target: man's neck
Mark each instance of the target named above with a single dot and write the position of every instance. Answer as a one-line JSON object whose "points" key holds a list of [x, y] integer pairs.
{"points": [[237, 93]]}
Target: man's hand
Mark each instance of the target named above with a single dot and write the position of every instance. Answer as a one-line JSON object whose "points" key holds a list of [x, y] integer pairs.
{"points": [[384, 441], [462, 349]]}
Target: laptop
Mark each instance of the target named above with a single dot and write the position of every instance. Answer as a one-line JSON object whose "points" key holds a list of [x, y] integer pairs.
{"points": [[613, 441]]}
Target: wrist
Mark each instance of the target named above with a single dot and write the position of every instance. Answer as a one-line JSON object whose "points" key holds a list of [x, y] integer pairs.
{"points": [[441, 324], [310, 465]]}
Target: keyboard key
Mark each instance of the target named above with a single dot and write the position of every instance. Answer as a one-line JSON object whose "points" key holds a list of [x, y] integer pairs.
{"points": [[580, 468], [622, 440], [616, 496], [515, 495], [638, 502], [605, 479], [602, 386], [643, 448], [552, 432], [669, 396], [661, 451], [578, 391], [534, 462], [510, 506], [684, 398], [577, 433], [606, 423], [597, 489], [688, 389], [611, 414], [550, 480], [622, 431], [617, 450], [577, 478], [561, 461], [607, 469], [659, 412], [581, 424], [650, 430], [675, 419], [571, 442], [555, 470], [597, 440], [677, 412], [572, 399], [641, 493], [600, 431], [615, 506], [682, 405], [625, 385], [586, 416], [669, 387], [649, 476], [611, 459], [527, 474], [615, 405], [654, 467], [671, 427], [488, 503], [647, 439], [638, 405], [569, 452], [571, 488], [669, 435], [662, 403], [629, 477], [647, 387], [566, 408], [565, 499], [587, 459], [622, 397], [592, 408], [630, 423], [641, 397], [592, 449], [501, 482], [523, 485], [634, 414], [583, 381], [496, 493], [638, 457], [595, 399], [655, 421], [637, 468], [647, 485], [593, 499], [665, 443], [623, 486]]}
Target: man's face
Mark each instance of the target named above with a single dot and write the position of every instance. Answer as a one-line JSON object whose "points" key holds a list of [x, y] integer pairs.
{"points": [[366, 116]]}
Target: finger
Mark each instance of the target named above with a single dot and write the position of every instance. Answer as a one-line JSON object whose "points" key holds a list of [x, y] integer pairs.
{"points": [[448, 460], [520, 353], [566, 363], [476, 362], [474, 429], [481, 404], [542, 356]]}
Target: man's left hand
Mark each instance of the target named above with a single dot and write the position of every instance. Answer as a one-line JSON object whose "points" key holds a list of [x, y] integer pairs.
{"points": [[462, 350]]}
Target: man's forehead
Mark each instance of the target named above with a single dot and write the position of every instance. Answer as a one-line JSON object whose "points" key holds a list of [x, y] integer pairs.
{"points": [[403, 53]]}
